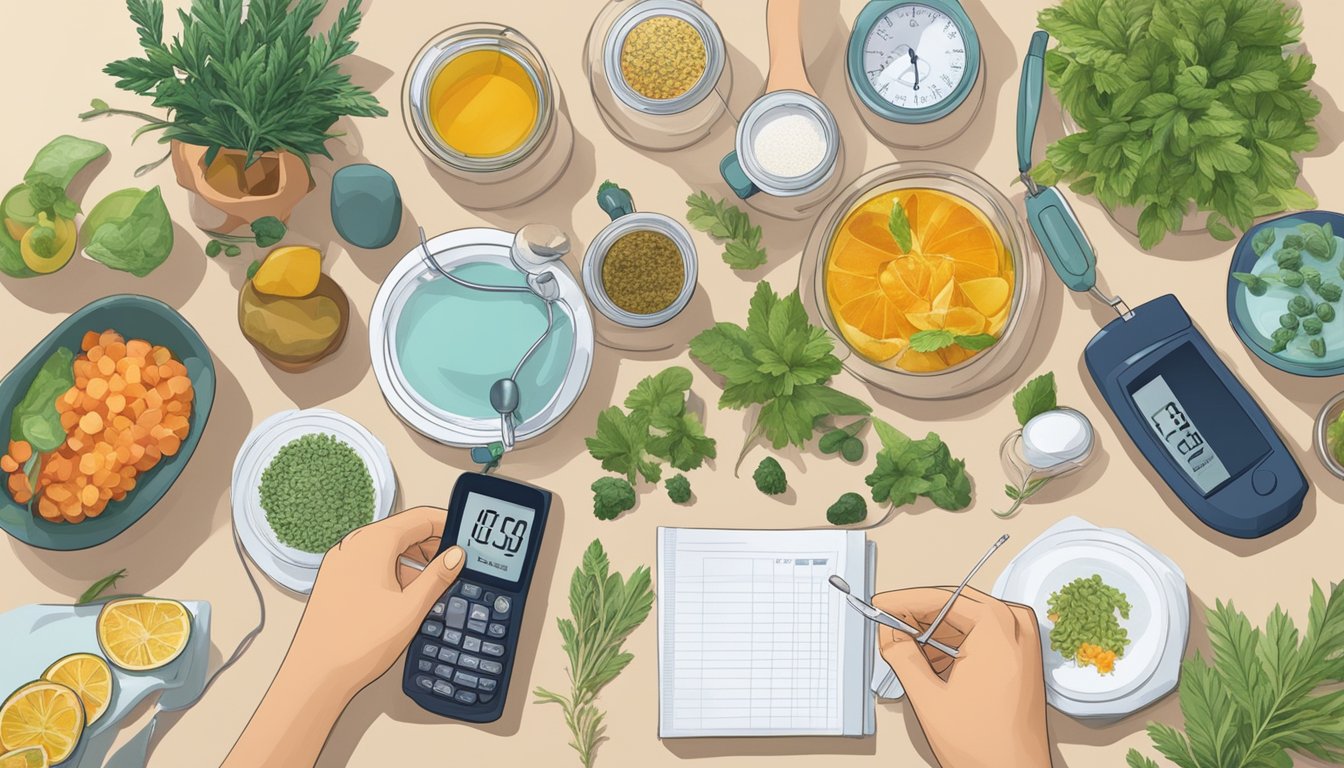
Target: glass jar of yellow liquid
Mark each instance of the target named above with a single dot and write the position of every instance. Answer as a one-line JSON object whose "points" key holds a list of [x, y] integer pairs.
{"points": [[480, 103]]}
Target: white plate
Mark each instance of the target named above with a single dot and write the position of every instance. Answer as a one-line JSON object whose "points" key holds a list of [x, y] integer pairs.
{"points": [[464, 246], [289, 567], [1158, 624]]}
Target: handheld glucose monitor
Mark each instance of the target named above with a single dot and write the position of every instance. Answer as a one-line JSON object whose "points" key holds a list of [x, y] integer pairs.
{"points": [[461, 659], [1185, 411]]}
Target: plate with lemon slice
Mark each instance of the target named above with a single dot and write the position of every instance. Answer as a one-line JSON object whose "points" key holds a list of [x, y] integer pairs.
{"points": [[72, 673]]}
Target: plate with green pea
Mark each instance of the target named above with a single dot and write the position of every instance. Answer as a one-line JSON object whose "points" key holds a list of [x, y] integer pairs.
{"points": [[1285, 292], [301, 482]]}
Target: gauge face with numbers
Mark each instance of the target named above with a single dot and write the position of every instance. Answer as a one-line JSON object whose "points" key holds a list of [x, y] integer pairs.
{"points": [[917, 58]]}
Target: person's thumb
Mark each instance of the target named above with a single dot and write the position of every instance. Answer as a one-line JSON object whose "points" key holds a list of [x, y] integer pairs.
{"points": [[909, 663], [438, 575]]}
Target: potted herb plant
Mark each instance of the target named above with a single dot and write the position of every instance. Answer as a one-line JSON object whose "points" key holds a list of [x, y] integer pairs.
{"points": [[250, 96]]}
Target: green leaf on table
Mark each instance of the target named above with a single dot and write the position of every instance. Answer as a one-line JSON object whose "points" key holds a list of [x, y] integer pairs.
{"points": [[268, 231], [100, 586], [907, 469], [1035, 398], [899, 226], [682, 442], [621, 445], [130, 230], [663, 394]]}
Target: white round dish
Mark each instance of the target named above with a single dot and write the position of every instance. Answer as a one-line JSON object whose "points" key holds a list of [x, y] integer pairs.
{"points": [[452, 249], [289, 567], [1158, 623]]}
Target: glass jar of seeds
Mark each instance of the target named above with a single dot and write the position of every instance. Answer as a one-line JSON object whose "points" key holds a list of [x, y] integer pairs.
{"points": [[658, 70], [640, 270]]}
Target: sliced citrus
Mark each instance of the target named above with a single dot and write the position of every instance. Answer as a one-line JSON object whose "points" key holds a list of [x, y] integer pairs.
{"points": [[987, 294], [87, 675], [25, 757], [42, 714], [140, 633]]}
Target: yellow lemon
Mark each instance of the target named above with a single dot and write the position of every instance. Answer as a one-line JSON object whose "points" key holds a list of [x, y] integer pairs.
{"points": [[45, 715], [87, 675], [292, 271], [25, 757], [140, 633]]}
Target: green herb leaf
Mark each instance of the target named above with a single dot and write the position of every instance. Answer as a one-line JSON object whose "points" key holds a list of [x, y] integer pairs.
{"points": [[899, 226], [1264, 695], [35, 419], [621, 445], [1219, 229], [257, 82], [932, 340], [604, 609], [662, 395], [779, 361], [61, 160], [726, 222], [1035, 398], [213, 248], [130, 230], [100, 586], [907, 469], [232, 251], [253, 268], [683, 443], [268, 231], [1263, 239], [976, 342]]}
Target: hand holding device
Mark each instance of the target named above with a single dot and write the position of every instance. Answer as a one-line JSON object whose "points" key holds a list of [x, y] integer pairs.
{"points": [[995, 689]]}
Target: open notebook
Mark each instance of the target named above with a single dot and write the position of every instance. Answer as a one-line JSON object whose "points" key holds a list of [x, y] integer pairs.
{"points": [[753, 641]]}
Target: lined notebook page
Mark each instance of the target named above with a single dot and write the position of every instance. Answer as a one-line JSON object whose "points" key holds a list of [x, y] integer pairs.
{"points": [[752, 639]]}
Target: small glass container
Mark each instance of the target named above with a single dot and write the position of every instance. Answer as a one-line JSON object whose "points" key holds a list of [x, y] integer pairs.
{"points": [[624, 220], [492, 181], [1329, 414], [657, 124], [791, 197], [982, 370]]}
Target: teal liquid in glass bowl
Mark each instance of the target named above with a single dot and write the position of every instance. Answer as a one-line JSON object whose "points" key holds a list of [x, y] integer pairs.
{"points": [[453, 343]]}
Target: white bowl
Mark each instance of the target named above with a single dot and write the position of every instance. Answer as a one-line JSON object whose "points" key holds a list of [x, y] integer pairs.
{"points": [[287, 566]]}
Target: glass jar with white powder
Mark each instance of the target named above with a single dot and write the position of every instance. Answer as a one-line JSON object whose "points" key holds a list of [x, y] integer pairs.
{"points": [[787, 145]]}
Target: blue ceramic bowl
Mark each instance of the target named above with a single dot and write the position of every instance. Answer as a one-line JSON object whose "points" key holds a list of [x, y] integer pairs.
{"points": [[135, 317], [1243, 260]]}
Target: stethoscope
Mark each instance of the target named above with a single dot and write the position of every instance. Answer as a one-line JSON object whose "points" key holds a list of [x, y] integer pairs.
{"points": [[534, 247]]}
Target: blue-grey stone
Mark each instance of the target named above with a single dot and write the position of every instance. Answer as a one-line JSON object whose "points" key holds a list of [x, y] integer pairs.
{"points": [[365, 205]]}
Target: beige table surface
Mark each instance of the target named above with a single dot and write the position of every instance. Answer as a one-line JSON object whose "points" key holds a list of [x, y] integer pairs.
{"points": [[183, 547]]}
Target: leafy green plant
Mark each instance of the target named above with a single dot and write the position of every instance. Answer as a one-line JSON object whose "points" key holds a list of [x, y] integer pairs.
{"points": [[658, 426], [907, 469], [605, 609], [844, 441], [678, 489], [611, 497], [780, 362], [255, 83], [727, 224], [849, 509], [1181, 103], [1261, 697], [769, 477], [1034, 398]]}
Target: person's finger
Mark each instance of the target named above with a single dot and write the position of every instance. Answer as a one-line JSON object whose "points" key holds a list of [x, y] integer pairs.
{"points": [[909, 663], [420, 552], [411, 526], [438, 575]]}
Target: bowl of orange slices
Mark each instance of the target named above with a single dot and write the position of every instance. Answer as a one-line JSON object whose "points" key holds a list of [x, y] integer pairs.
{"points": [[921, 269]]}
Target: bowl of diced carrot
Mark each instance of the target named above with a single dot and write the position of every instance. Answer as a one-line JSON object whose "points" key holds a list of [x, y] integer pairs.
{"points": [[130, 385]]}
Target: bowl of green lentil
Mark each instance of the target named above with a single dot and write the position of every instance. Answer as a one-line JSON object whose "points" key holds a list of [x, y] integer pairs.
{"points": [[302, 481], [640, 270]]}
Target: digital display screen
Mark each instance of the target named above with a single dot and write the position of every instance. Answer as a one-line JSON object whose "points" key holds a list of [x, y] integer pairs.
{"points": [[495, 535], [1168, 419], [1204, 430]]}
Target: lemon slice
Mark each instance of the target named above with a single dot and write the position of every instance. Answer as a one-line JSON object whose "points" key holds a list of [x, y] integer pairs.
{"points": [[25, 757], [45, 715], [89, 677], [142, 633]]}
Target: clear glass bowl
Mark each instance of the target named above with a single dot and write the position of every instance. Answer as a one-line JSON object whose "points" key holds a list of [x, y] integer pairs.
{"points": [[1329, 414], [657, 124], [985, 368]]}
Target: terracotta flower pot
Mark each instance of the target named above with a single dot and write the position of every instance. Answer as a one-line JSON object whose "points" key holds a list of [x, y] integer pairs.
{"points": [[226, 197]]}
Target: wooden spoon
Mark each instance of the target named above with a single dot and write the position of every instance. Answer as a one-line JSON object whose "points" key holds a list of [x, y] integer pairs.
{"points": [[784, 33]]}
